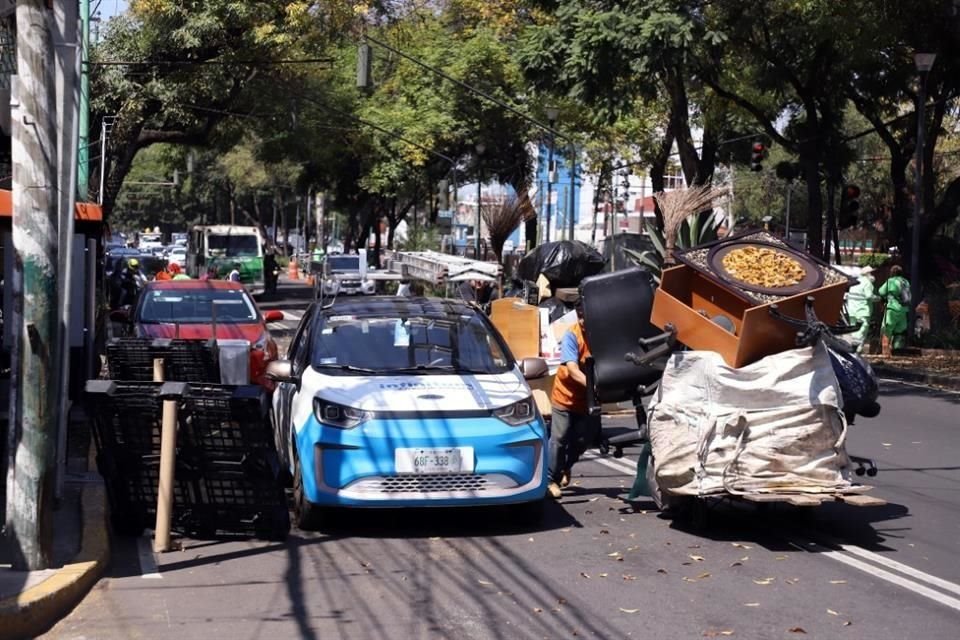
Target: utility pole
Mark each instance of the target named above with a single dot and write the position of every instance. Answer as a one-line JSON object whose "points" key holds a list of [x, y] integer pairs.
{"points": [[35, 228], [83, 148]]}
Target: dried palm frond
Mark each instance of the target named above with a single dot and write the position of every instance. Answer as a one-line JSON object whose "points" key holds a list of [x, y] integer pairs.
{"points": [[680, 204], [502, 218]]}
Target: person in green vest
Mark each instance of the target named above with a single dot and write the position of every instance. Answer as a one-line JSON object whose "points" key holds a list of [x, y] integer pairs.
{"points": [[895, 293], [860, 301]]}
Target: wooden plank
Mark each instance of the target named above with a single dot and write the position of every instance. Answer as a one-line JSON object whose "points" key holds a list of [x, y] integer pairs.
{"points": [[763, 497], [859, 500], [803, 500]]}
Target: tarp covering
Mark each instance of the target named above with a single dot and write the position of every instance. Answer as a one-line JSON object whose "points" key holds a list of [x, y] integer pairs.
{"points": [[772, 426], [564, 263]]}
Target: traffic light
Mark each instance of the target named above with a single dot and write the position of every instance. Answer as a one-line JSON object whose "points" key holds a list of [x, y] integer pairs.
{"points": [[756, 157], [849, 206]]}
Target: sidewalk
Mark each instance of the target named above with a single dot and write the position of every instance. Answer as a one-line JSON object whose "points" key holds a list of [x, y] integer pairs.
{"points": [[33, 601], [935, 368]]}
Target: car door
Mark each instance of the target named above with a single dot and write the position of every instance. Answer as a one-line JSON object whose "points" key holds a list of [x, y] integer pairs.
{"points": [[283, 398]]}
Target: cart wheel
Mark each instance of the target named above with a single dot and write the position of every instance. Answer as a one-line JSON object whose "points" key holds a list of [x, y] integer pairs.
{"points": [[872, 471]]}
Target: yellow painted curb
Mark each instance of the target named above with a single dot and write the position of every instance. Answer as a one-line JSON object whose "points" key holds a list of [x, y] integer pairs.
{"points": [[38, 608]]}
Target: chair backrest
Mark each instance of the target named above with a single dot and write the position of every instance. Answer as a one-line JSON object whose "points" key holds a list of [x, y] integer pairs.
{"points": [[616, 312]]}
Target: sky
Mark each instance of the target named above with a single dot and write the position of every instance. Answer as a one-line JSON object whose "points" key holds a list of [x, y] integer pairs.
{"points": [[108, 8]]}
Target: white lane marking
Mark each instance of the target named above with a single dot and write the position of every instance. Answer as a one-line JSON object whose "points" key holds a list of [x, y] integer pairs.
{"points": [[891, 564], [624, 465], [148, 565], [883, 574], [919, 385], [290, 314], [844, 553]]}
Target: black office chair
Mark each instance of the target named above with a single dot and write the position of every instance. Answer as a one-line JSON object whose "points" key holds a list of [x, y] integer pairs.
{"points": [[628, 353]]}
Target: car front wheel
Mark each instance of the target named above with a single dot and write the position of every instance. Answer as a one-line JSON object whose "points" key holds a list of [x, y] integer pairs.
{"points": [[309, 516]]}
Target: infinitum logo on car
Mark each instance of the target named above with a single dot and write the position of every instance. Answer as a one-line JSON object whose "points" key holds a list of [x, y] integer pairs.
{"points": [[416, 386]]}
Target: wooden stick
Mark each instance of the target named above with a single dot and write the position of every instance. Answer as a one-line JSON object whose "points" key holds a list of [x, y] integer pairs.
{"points": [[168, 452]]}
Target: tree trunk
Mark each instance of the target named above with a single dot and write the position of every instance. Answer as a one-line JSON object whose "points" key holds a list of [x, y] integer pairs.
{"points": [[33, 425], [809, 161]]}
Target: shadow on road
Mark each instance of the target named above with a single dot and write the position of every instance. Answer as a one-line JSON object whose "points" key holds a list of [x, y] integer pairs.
{"points": [[423, 566]]}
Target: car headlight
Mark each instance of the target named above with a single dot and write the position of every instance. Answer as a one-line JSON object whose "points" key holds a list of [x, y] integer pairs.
{"points": [[338, 415], [518, 413]]}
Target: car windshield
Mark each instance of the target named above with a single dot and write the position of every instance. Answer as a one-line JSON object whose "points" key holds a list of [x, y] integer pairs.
{"points": [[400, 344], [341, 264], [233, 246], [193, 306]]}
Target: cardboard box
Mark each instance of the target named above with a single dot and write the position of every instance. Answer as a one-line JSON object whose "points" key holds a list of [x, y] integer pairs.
{"points": [[689, 299], [519, 324]]}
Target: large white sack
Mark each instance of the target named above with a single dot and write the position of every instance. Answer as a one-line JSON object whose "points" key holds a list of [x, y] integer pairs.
{"points": [[774, 425]]}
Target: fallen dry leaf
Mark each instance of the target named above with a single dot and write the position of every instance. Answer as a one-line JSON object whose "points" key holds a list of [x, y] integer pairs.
{"points": [[485, 583], [751, 604], [603, 575], [604, 532], [744, 558], [661, 570], [832, 612], [593, 499], [736, 564], [838, 582], [740, 545], [696, 558], [627, 576], [887, 444], [615, 554], [629, 610], [584, 575], [781, 557], [847, 623], [702, 576], [711, 633], [797, 630], [791, 580], [537, 610], [763, 580]]}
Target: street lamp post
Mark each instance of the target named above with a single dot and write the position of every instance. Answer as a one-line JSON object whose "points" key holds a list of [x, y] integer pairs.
{"points": [[924, 62], [572, 195], [480, 149], [552, 113]]}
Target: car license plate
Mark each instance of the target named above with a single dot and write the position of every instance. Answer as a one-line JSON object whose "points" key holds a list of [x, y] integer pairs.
{"points": [[449, 460]]}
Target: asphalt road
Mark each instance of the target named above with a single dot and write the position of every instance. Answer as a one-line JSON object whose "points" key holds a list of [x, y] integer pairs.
{"points": [[595, 568]]}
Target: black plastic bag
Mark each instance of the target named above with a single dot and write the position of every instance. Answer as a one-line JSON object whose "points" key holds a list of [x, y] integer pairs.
{"points": [[564, 263]]}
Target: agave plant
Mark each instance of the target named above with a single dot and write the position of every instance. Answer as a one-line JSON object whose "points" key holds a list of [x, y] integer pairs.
{"points": [[697, 229]]}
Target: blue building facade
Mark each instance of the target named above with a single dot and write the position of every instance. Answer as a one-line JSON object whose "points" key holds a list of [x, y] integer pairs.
{"points": [[564, 193]]}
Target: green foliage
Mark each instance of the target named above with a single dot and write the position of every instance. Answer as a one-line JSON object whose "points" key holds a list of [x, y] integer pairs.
{"points": [[696, 230], [421, 238], [874, 260]]}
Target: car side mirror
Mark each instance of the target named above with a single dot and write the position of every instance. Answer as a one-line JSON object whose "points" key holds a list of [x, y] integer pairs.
{"points": [[533, 368], [281, 371], [273, 316]]}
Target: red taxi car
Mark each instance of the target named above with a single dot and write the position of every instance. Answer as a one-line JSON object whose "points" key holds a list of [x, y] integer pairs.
{"points": [[190, 309]]}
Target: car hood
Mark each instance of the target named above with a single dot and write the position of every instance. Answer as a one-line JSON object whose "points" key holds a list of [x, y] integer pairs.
{"points": [[415, 393], [249, 332]]}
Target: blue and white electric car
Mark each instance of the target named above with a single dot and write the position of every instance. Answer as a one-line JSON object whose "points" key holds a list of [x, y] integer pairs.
{"points": [[395, 402]]}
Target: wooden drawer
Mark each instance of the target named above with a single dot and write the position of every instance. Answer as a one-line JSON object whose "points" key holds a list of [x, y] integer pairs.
{"points": [[688, 300]]}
